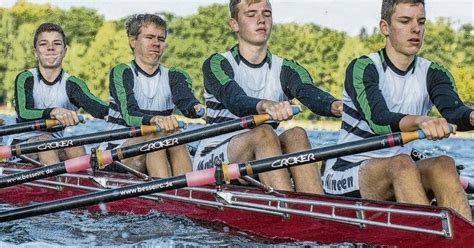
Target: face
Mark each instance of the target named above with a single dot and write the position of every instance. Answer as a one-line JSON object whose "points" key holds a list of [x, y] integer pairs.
{"points": [[407, 28], [50, 50], [254, 24], [149, 45]]}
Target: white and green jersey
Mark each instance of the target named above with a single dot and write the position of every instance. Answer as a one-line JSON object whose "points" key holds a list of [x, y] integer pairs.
{"points": [[377, 96]]}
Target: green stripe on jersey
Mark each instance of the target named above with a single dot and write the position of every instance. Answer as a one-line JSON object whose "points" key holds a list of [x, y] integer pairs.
{"points": [[85, 90], [302, 72], [188, 79], [24, 113], [358, 81], [217, 71], [443, 69], [118, 72]]}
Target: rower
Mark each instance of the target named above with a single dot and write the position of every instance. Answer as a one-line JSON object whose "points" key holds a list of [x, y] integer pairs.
{"points": [[393, 90], [249, 79], [144, 92], [48, 92]]}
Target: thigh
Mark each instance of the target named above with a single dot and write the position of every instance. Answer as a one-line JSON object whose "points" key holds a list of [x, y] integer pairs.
{"points": [[375, 179]]}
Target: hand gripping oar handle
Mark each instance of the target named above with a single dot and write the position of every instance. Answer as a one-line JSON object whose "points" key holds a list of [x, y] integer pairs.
{"points": [[157, 128], [32, 126], [106, 157], [200, 178]]}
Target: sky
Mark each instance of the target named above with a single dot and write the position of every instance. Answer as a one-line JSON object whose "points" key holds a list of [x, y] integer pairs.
{"points": [[343, 15]]}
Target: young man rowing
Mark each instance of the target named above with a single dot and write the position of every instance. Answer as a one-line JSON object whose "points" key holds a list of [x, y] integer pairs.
{"points": [[393, 90], [249, 79], [48, 92], [145, 92]]}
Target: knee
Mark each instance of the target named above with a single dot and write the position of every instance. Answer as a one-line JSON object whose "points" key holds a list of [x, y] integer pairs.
{"points": [[296, 133], [264, 134], [443, 165], [402, 163]]}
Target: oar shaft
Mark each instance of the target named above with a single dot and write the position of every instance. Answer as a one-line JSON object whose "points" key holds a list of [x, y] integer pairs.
{"points": [[61, 143], [32, 175], [31, 126], [94, 198], [183, 138]]}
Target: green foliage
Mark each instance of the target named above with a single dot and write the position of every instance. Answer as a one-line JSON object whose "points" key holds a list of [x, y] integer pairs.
{"points": [[95, 46]]}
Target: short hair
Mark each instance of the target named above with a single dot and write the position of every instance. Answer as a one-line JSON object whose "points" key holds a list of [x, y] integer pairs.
{"points": [[388, 7], [49, 27], [136, 22], [234, 10]]}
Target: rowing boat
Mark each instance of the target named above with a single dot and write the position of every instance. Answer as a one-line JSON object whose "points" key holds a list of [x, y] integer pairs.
{"points": [[277, 216]]}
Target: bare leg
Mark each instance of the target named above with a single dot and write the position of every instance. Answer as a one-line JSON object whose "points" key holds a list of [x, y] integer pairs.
{"points": [[157, 164], [385, 178], [307, 178], [180, 160], [261, 142], [73, 152], [47, 157], [439, 176]]}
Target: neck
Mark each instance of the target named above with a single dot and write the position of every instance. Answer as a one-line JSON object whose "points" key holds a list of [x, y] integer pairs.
{"points": [[401, 61], [150, 69], [50, 74], [253, 54]]}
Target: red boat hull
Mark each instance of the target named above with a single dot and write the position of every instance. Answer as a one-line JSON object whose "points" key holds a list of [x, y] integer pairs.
{"points": [[295, 228]]}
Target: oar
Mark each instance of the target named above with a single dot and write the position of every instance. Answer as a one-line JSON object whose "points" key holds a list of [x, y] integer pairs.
{"points": [[208, 176], [106, 157], [32, 126], [53, 144]]}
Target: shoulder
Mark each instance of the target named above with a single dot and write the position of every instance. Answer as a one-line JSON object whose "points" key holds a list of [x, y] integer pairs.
{"points": [[76, 80], [362, 65], [24, 75], [178, 71], [120, 68], [215, 58]]}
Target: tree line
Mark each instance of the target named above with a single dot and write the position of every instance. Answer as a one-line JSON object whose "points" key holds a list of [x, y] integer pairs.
{"points": [[96, 45]]}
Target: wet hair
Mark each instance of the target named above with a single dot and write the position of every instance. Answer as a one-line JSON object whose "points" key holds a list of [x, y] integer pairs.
{"points": [[234, 9], [388, 7], [135, 23], [49, 27]]}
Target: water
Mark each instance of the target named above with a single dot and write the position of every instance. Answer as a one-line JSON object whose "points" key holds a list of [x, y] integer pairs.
{"points": [[157, 230]]}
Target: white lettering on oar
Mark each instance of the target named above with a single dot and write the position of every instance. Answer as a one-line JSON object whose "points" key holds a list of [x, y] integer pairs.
{"points": [[159, 144], [29, 176], [55, 145], [293, 160], [146, 188]]}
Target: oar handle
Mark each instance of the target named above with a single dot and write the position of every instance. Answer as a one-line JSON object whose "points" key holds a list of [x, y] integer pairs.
{"points": [[422, 134], [181, 124], [50, 123], [201, 112], [295, 108], [146, 129], [262, 118], [419, 134]]}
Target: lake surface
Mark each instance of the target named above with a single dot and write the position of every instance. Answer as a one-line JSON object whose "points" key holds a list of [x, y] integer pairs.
{"points": [[67, 229]]}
